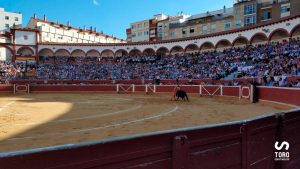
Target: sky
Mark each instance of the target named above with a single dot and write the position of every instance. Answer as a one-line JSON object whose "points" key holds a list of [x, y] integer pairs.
{"points": [[110, 16]]}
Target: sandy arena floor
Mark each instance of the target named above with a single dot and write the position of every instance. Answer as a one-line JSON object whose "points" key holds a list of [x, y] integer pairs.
{"points": [[39, 120]]}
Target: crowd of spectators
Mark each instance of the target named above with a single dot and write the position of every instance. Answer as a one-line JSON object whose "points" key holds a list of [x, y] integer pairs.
{"points": [[17, 70], [8, 71], [271, 63]]}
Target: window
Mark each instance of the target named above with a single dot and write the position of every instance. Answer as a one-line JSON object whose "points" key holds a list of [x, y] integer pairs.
{"points": [[173, 34], [152, 32], [146, 24], [183, 32], [192, 30], [250, 20], [213, 28], [266, 15], [139, 25], [6, 17], [133, 26], [250, 9], [146, 33], [281, 1], [237, 11], [227, 25], [204, 29], [16, 19], [25, 37], [238, 23], [133, 35], [285, 9], [140, 34], [6, 25]]}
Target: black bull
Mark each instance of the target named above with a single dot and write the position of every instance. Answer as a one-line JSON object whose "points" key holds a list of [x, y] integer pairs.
{"points": [[182, 94]]}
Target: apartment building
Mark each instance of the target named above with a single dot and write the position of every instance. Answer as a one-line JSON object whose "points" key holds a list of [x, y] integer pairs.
{"points": [[8, 20], [244, 13], [57, 32], [201, 24], [163, 26], [145, 30]]}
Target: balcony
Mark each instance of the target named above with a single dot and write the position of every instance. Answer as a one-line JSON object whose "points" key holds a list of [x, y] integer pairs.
{"points": [[267, 4], [128, 31], [152, 25], [177, 25], [283, 1]]}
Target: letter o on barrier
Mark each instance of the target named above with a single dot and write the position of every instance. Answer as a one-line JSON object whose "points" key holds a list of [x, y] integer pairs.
{"points": [[245, 88]]}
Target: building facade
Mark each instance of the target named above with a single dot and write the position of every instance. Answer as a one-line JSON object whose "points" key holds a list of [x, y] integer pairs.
{"points": [[202, 24], [145, 30], [60, 33], [244, 13], [163, 26], [8, 20], [270, 31], [264, 33]]}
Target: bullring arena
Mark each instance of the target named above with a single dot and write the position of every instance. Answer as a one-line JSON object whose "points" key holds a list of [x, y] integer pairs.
{"points": [[26, 122], [112, 115], [73, 98]]}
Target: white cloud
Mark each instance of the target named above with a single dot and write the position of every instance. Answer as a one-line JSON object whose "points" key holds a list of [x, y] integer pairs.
{"points": [[95, 2]]}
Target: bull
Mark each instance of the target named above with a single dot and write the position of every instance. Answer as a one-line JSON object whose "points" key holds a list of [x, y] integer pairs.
{"points": [[182, 94]]}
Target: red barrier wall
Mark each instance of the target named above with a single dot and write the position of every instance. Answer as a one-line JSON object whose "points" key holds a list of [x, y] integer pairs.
{"points": [[282, 95], [6, 88], [45, 88], [231, 91]]}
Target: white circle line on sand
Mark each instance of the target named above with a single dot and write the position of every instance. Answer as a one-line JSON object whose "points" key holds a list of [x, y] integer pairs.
{"points": [[79, 118], [98, 128], [7, 105]]}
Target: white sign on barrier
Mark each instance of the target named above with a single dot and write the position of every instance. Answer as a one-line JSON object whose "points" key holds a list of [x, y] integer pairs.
{"points": [[245, 88], [18, 88]]}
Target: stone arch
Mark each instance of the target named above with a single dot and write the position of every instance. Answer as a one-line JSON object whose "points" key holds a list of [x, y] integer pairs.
{"points": [[207, 46], [191, 48], [93, 53], [46, 52], [295, 31], [176, 49], [6, 53], [279, 33], [25, 51], [135, 52], [107, 53], [258, 38], [149, 52], [78, 53], [121, 52], [239, 41], [224, 43], [162, 51], [62, 52]]}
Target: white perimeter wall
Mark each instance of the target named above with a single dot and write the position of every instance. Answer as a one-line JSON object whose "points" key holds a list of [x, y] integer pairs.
{"points": [[248, 34]]}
